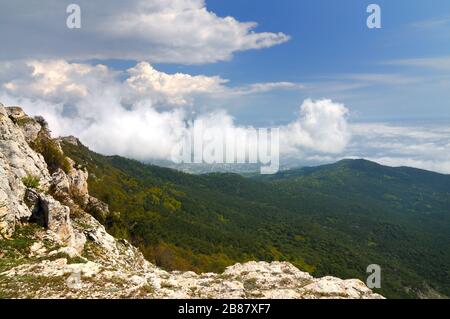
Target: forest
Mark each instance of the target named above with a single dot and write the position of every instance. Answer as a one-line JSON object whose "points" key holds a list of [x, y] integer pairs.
{"points": [[329, 220]]}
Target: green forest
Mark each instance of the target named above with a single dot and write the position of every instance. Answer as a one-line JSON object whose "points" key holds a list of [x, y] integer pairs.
{"points": [[328, 220]]}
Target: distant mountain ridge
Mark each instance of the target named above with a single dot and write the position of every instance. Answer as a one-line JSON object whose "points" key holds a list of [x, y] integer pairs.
{"points": [[335, 218]]}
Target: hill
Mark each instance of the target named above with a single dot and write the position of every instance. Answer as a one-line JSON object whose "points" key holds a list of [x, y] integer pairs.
{"points": [[334, 219]]}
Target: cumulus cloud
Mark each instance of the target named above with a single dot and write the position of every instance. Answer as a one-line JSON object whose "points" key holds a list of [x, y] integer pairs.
{"points": [[166, 31], [59, 81], [144, 82], [56, 81], [144, 114], [88, 102], [321, 127]]}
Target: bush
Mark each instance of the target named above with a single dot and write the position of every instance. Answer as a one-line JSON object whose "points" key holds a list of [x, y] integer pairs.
{"points": [[52, 154], [31, 181]]}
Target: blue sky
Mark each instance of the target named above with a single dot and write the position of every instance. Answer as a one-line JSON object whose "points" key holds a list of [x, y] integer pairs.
{"points": [[330, 41], [148, 67]]}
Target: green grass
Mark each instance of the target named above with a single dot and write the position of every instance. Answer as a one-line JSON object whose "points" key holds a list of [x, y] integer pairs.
{"points": [[14, 251], [27, 286], [31, 181]]}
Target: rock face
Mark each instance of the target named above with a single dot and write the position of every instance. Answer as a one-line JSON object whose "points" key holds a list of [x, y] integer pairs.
{"points": [[57, 218], [30, 127], [17, 162], [66, 253]]}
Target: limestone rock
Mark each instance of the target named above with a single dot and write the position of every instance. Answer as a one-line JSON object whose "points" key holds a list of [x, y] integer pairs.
{"points": [[30, 127], [17, 161], [72, 189], [79, 185], [16, 112], [331, 287], [97, 208], [70, 139], [57, 218], [6, 219], [60, 183]]}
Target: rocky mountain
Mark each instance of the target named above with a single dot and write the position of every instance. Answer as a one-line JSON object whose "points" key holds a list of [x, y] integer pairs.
{"points": [[51, 246]]}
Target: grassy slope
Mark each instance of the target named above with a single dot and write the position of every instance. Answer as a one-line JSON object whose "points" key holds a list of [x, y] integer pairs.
{"points": [[334, 219]]}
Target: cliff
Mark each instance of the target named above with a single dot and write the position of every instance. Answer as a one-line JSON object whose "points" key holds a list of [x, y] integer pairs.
{"points": [[52, 246]]}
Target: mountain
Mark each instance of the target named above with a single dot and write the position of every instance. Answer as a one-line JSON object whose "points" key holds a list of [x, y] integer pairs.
{"points": [[60, 203], [334, 219], [52, 244]]}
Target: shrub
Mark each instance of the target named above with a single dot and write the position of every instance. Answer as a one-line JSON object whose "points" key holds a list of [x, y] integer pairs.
{"points": [[31, 181], [23, 121], [52, 154]]}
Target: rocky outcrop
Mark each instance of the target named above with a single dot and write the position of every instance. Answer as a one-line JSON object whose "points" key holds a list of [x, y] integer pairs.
{"points": [[109, 268], [57, 218], [60, 185], [78, 185], [70, 254], [25, 180], [17, 162], [30, 127]]}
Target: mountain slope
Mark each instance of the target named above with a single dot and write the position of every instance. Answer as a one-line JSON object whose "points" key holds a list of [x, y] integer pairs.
{"points": [[52, 247], [335, 219]]}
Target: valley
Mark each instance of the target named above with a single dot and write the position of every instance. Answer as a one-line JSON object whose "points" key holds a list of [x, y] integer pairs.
{"points": [[334, 219]]}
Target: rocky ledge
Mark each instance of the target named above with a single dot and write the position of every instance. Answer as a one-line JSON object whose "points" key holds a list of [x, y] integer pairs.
{"points": [[51, 246]]}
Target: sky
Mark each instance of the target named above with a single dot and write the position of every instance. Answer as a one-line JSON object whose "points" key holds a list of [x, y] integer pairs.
{"points": [[137, 73]]}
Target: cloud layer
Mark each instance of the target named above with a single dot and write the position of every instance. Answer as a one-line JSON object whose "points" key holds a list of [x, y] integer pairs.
{"points": [[143, 113], [422, 146], [169, 31]]}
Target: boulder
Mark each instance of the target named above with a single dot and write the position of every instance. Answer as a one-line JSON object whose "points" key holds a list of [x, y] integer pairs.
{"points": [[57, 218], [98, 209], [78, 180], [60, 184]]}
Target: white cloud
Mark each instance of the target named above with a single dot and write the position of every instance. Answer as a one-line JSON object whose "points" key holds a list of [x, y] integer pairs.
{"points": [[144, 82], [382, 78], [54, 80], [169, 31], [422, 146], [321, 128], [88, 102], [437, 63], [436, 23], [266, 87], [59, 81]]}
